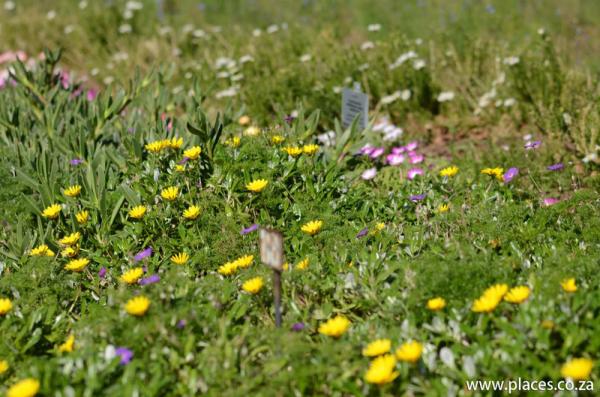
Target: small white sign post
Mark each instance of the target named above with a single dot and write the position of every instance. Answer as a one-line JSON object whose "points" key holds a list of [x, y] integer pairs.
{"points": [[355, 103], [271, 254]]}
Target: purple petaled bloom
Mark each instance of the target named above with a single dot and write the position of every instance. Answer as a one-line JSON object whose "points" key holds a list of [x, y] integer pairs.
{"points": [[92, 94], [550, 201], [184, 160], [249, 229], [143, 254], [533, 144], [394, 159], [367, 149], [398, 149], [289, 119], [413, 172], [155, 278], [125, 354], [556, 167], [416, 158], [76, 161], [181, 324], [369, 174], [298, 327], [376, 152], [412, 146], [102, 272], [417, 197], [510, 174], [363, 232]]}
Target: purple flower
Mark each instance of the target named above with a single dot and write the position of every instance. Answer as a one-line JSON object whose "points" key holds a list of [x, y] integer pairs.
{"points": [[367, 149], [394, 159], [92, 94], [289, 119], [143, 254], [155, 278], [533, 145], [369, 174], [413, 172], [510, 174], [297, 327], [550, 201], [556, 167], [125, 354], [412, 146], [376, 152], [181, 324], [184, 160], [363, 232], [76, 161], [249, 229], [415, 158], [102, 272], [398, 149], [417, 197]]}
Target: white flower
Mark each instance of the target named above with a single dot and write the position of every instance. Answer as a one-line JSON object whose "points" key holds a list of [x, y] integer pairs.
{"points": [[486, 98], [134, 5], [125, 28], [418, 41], [164, 30], [108, 80], [369, 174], [83, 5], [232, 91], [327, 138], [69, 29], [445, 96], [199, 33], [500, 79], [272, 29], [224, 62], [403, 58], [393, 134], [127, 14], [418, 64], [590, 157], [216, 29], [386, 100], [511, 61], [246, 59], [405, 95], [305, 58], [223, 75], [187, 28], [51, 15], [363, 67], [9, 5], [509, 102], [94, 71], [367, 45], [337, 89], [256, 32], [541, 31], [237, 77], [374, 27], [567, 118]]}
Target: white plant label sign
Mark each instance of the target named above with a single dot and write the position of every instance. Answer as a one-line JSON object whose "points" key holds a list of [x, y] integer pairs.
{"points": [[354, 103], [271, 248]]}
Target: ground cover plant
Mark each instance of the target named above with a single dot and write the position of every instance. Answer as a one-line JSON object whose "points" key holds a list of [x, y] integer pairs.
{"points": [[143, 145]]}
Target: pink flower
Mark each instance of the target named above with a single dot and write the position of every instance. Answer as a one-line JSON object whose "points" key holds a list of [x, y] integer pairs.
{"points": [[398, 149], [550, 201], [376, 152], [413, 172], [412, 146], [415, 158], [394, 159], [91, 94], [369, 174]]}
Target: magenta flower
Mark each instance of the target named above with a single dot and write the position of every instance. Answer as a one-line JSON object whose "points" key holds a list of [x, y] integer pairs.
{"points": [[76, 161], [417, 197], [181, 324], [369, 174], [412, 146], [413, 172], [550, 201], [533, 145], [556, 167], [399, 149], [394, 159], [249, 229], [155, 278], [510, 174], [363, 232], [102, 272], [92, 94], [297, 327], [415, 158], [143, 254], [125, 354], [367, 149]]}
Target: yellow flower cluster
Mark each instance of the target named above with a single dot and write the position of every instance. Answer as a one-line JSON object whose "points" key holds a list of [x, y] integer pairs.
{"points": [[41, 250], [277, 139], [233, 142], [82, 217], [230, 268], [160, 145], [296, 151], [577, 369], [497, 172], [192, 153], [382, 369], [303, 264], [491, 297]]}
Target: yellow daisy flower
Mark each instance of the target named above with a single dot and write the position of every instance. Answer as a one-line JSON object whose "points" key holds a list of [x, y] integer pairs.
{"points": [[5, 306], [377, 348], [192, 153], [157, 146], [233, 142], [436, 304], [3, 366], [254, 285], [71, 239], [77, 265], [228, 269], [52, 211], [485, 304], [517, 294], [303, 264], [68, 346], [180, 167], [312, 227], [409, 352], [175, 142], [310, 149], [497, 172], [443, 208], [569, 285], [180, 259], [137, 212], [449, 171], [257, 185], [293, 151], [170, 193], [24, 388], [70, 252], [244, 261], [72, 191], [335, 327], [137, 306], [577, 369], [82, 217], [192, 212], [277, 139], [382, 370], [40, 250], [496, 291], [132, 276]]}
